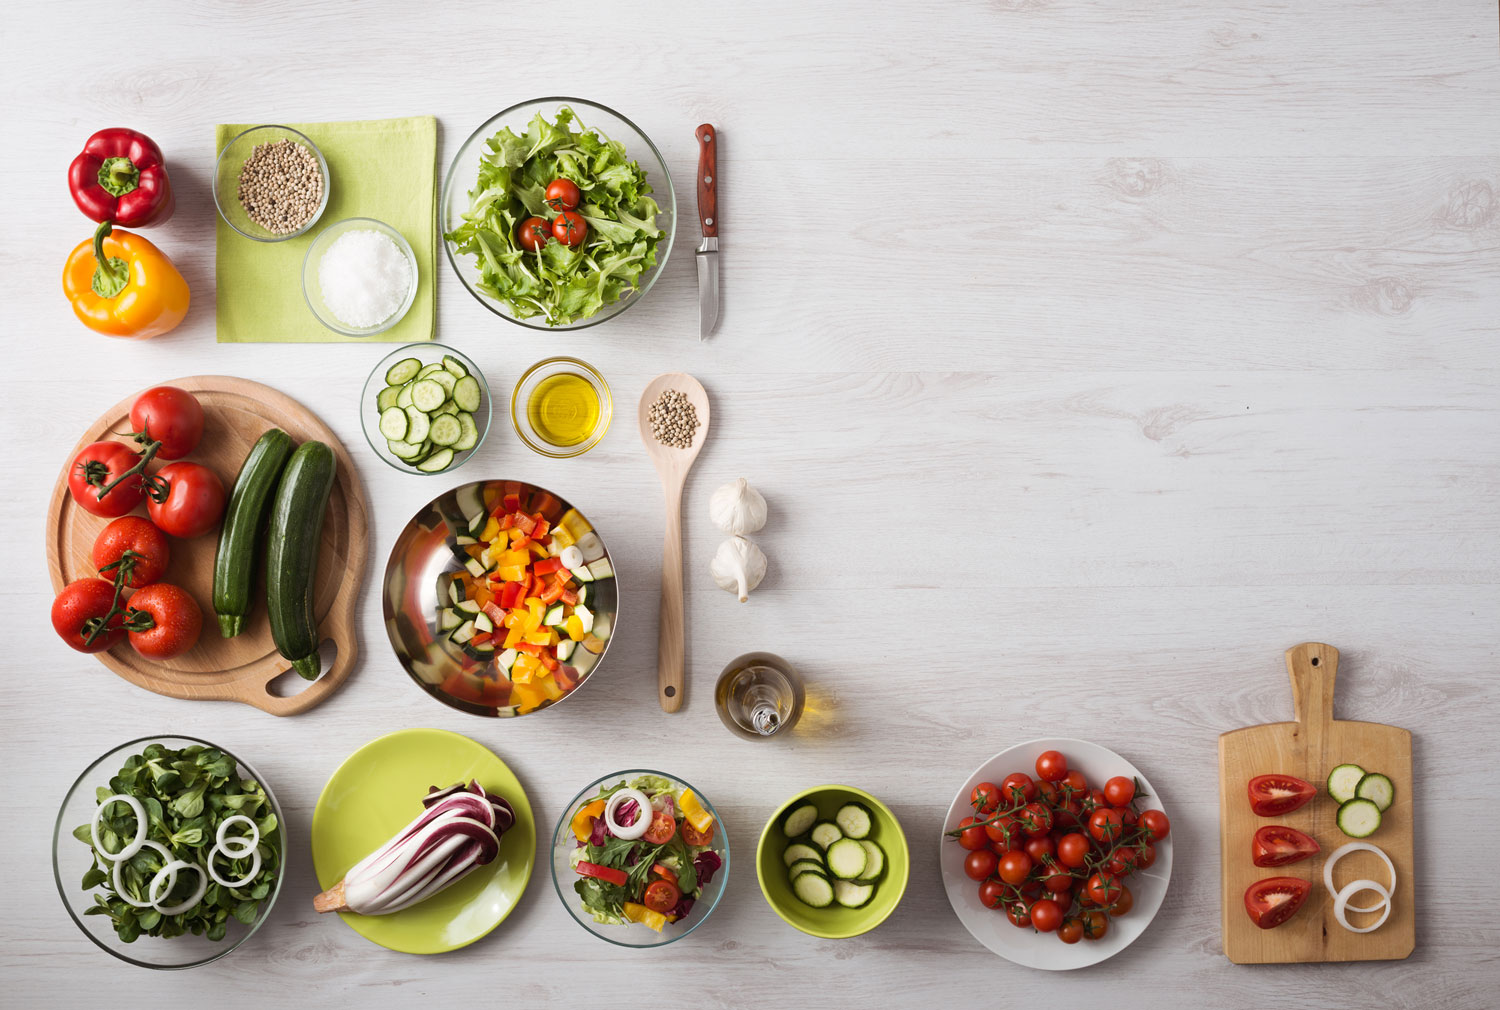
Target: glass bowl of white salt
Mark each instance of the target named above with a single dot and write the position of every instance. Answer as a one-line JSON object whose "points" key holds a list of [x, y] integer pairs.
{"points": [[359, 277]]}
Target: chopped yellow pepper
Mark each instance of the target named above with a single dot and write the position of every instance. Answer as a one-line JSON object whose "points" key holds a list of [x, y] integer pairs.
{"points": [[513, 573], [693, 811], [491, 530], [575, 524], [640, 913], [561, 538], [574, 627], [583, 820]]}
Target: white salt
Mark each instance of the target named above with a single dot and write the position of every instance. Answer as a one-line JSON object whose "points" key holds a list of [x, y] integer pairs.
{"points": [[365, 278]]}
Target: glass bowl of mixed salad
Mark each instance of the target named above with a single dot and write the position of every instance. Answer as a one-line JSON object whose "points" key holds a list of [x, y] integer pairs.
{"points": [[558, 214], [640, 858], [169, 852]]}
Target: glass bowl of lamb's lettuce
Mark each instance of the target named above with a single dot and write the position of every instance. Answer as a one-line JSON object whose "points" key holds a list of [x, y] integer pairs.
{"points": [[498, 180], [610, 883]]}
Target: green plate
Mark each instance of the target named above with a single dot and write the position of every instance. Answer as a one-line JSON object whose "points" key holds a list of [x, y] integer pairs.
{"points": [[377, 791], [834, 922]]}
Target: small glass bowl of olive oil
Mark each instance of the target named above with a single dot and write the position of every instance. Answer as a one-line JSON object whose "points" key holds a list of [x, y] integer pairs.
{"points": [[561, 407]]}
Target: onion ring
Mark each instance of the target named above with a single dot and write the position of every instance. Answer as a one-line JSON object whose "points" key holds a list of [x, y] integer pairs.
{"points": [[173, 867], [642, 820], [120, 887], [231, 884], [247, 843], [1341, 905], [1344, 850], [140, 829]]}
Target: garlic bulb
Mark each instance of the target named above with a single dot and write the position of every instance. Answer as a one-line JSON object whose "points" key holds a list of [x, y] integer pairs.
{"points": [[738, 566], [737, 508]]}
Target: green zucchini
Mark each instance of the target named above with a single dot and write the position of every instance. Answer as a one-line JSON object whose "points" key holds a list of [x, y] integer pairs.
{"points": [[292, 554], [234, 565]]}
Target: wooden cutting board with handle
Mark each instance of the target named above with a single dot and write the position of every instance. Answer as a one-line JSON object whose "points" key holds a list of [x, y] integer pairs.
{"points": [[1309, 747]]}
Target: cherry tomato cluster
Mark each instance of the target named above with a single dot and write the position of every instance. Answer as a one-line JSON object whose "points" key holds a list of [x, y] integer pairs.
{"points": [[111, 479], [568, 227], [1053, 852]]}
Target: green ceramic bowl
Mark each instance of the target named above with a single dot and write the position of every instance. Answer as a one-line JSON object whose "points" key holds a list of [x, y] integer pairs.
{"points": [[833, 923]]}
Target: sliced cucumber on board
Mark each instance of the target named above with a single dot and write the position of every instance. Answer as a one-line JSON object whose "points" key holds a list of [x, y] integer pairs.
{"points": [[1378, 789]]}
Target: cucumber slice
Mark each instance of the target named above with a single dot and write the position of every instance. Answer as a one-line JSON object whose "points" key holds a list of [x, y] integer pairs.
{"points": [[813, 890], [402, 370], [854, 820], [799, 819], [446, 430], [825, 833], [387, 397], [1358, 818], [798, 850], [443, 378], [1343, 780], [846, 858], [802, 866], [874, 861], [403, 450], [436, 463], [852, 895], [428, 370], [393, 424], [403, 398], [427, 394], [466, 393], [470, 437], [417, 432], [454, 366], [1378, 789]]}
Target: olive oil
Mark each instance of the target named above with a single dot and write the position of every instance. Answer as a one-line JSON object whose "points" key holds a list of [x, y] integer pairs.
{"points": [[759, 695], [563, 409]]}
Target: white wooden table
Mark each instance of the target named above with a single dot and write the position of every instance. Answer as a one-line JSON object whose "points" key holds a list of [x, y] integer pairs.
{"points": [[1089, 353]]}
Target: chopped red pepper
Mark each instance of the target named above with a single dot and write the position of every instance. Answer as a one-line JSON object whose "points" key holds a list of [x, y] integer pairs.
{"points": [[546, 566], [511, 503], [662, 870], [480, 638], [552, 594], [569, 597], [522, 522], [512, 595], [496, 614], [566, 677], [542, 528], [605, 873], [528, 648], [548, 660], [563, 575]]}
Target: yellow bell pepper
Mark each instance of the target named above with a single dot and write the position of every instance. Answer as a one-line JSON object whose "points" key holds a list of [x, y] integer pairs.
{"points": [[562, 538], [491, 530], [574, 627], [526, 696], [583, 820], [539, 637], [549, 686], [517, 559], [644, 915], [123, 286], [512, 573], [575, 524], [513, 637], [693, 811], [538, 549], [522, 672]]}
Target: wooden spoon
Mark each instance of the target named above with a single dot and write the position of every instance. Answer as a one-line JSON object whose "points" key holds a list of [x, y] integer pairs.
{"points": [[672, 465]]}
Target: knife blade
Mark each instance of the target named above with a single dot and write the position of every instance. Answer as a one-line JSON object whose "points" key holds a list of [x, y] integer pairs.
{"points": [[707, 256]]}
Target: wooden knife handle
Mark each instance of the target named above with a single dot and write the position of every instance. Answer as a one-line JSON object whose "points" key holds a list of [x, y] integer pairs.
{"points": [[1313, 668], [708, 180]]}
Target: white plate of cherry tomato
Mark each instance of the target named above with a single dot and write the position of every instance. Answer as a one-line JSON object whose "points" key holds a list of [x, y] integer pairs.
{"points": [[1056, 854]]}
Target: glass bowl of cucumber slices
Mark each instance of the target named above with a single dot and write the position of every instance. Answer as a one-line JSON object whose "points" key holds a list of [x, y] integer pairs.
{"points": [[833, 862], [425, 408]]}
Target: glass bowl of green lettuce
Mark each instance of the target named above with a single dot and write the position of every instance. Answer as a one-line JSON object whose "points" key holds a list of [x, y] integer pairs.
{"points": [[187, 787], [499, 178]]}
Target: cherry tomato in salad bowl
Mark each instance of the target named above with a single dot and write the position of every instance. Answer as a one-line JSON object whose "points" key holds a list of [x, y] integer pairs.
{"points": [[1279, 845], [533, 233], [175, 620], [171, 416], [980, 864], [570, 228], [693, 836], [563, 194], [147, 545], [186, 500], [100, 465], [1274, 795], [662, 828], [662, 896], [1272, 901], [77, 605], [1051, 766]]}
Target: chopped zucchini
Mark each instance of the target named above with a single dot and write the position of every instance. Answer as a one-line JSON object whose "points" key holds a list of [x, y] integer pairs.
{"points": [[825, 833], [800, 850], [1343, 780], [854, 820], [1378, 789], [1358, 818], [799, 820]]}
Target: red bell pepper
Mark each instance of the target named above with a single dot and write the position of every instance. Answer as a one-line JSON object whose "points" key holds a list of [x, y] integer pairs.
{"points": [[548, 660], [566, 677], [551, 594], [121, 177], [569, 596], [542, 528], [607, 874], [512, 595], [511, 503], [523, 522], [665, 872], [546, 566]]}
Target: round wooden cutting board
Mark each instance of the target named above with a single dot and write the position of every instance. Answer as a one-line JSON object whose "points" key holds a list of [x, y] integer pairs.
{"points": [[237, 412]]}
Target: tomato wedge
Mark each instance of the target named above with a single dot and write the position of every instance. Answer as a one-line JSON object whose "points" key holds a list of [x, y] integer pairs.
{"points": [[608, 874], [1278, 845], [1274, 795], [1274, 900]]}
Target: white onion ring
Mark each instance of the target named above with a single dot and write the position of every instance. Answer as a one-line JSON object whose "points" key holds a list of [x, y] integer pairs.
{"points": [[643, 817], [173, 867], [1341, 905], [254, 867], [1344, 850], [140, 829], [247, 843], [120, 887]]}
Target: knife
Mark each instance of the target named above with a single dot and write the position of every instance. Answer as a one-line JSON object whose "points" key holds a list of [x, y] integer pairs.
{"points": [[708, 216]]}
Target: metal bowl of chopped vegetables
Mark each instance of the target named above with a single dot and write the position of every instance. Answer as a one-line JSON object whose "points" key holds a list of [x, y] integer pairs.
{"points": [[200, 801], [563, 276], [500, 598]]}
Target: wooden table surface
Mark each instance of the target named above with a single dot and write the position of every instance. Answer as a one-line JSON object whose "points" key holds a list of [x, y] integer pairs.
{"points": [[1089, 353]]}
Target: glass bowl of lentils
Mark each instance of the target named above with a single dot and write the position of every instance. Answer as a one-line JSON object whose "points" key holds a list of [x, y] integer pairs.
{"points": [[271, 183]]}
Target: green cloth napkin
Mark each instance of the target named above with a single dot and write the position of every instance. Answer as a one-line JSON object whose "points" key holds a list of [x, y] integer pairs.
{"points": [[380, 168]]}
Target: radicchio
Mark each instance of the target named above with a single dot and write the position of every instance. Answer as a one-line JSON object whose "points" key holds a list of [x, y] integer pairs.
{"points": [[626, 813], [598, 833], [707, 863], [684, 906]]}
